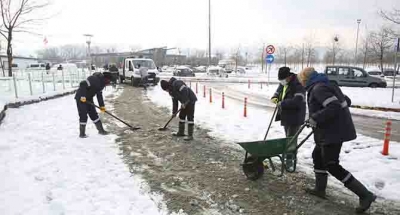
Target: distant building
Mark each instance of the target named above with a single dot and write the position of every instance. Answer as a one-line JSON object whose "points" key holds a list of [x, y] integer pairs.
{"points": [[18, 62]]}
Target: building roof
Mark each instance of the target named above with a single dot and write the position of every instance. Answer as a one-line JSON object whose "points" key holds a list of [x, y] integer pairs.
{"points": [[20, 57]]}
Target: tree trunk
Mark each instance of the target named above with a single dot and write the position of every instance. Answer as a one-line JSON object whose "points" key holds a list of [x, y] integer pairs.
{"points": [[9, 53]]}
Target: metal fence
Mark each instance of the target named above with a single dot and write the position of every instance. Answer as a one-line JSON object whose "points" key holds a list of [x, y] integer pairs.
{"points": [[36, 82]]}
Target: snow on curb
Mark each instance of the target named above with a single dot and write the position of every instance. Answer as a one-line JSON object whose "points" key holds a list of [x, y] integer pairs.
{"points": [[20, 103]]}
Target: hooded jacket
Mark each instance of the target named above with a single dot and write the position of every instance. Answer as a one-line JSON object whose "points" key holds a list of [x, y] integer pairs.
{"points": [[180, 92], [329, 107], [92, 86]]}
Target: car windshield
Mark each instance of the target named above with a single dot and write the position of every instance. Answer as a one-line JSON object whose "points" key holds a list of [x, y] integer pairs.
{"points": [[144, 63]]}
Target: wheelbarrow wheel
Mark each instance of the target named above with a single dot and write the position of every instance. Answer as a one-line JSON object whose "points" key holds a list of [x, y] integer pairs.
{"points": [[253, 168], [291, 168]]}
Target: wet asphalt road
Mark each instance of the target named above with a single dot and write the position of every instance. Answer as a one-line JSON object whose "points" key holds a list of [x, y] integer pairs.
{"points": [[368, 126]]}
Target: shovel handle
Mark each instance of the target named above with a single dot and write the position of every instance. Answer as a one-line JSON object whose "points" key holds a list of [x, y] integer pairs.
{"points": [[130, 126], [172, 117]]}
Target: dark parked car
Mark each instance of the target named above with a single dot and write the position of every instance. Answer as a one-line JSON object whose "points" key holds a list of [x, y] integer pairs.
{"points": [[184, 71]]}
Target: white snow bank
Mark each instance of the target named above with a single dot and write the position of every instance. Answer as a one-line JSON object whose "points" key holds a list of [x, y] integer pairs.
{"points": [[362, 156], [371, 97], [46, 169]]}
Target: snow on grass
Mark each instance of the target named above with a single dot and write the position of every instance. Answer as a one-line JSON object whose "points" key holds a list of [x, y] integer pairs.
{"points": [[362, 156], [46, 169]]}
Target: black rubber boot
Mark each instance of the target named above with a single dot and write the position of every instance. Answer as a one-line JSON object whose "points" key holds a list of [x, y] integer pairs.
{"points": [[82, 129], [100, 128], [190, 132], [366, 197], [181, 131], [321, 180]]}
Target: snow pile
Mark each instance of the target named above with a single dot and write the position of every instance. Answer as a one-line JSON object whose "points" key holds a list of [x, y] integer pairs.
{"points": [[362, 156], [46, 169]]}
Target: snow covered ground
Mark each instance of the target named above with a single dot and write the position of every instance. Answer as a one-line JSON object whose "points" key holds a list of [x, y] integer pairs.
{"points": [[361, 156], [378, 97], [46, 169]]}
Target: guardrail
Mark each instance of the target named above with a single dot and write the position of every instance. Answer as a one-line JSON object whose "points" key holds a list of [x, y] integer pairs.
{"points": [[29, 83]]}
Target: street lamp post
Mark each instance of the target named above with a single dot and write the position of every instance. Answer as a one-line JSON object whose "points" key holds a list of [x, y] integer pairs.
{"points": [[334, 46], [358, 29], [209, 33], [88, 42]]}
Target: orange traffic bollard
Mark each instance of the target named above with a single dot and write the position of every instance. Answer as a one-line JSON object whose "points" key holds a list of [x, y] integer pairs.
{"points": [[204, 90], [197, 88], [245, 107], [388, 131], [223, 100], [210, 96]]}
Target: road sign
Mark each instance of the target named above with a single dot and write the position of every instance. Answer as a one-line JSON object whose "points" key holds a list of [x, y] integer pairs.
{"points": [[269, 58], [270, 49]]}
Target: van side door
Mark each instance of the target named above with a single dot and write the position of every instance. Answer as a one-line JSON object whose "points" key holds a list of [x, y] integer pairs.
{"points": [[344, 76]]}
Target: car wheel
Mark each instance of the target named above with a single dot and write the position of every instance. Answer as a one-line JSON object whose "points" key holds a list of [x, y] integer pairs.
{"points": [[373, 85]]}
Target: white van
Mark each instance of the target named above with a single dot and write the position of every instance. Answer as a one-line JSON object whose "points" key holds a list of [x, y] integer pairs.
{"points": [[36, 66]]}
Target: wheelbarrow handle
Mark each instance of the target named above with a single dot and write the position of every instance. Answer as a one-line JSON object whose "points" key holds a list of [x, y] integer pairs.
{"points": [[296, 136]]}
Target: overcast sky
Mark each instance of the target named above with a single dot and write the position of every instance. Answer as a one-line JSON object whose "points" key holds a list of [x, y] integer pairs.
{"points": [[184, 23]]}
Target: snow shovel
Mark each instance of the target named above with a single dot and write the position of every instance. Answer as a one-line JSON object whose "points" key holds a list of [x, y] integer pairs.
{"points": [[172, 117], [130, 126], [270, 123]]}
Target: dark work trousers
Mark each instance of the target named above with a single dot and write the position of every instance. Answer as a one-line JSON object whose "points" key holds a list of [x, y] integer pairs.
{"points": [[188, 113], [326, 158], [84, 109], [290, 131]]}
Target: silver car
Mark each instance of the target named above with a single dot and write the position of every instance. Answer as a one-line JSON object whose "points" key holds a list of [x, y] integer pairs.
{"points": [[353, 77]]}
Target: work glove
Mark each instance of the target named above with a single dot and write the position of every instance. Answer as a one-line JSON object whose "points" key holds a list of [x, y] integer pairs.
{"points": [[103, 109], [311, 123], [274, 100], [83, 99]]}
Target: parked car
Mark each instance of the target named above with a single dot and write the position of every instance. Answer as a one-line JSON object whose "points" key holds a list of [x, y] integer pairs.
{"points": [[353, 77], [376, 73], [216, 71], [184, 71], [390, 72], [241, 70], [199, 69], [36, 66]]}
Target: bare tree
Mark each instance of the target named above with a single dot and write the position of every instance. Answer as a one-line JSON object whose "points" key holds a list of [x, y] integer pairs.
{"points": [[282, 54], [381, 41], [19, 17], [309, 49], [393, 16]]}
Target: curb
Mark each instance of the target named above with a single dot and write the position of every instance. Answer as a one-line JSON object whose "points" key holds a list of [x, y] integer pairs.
{"points": [[32, 101], [397, 110]]}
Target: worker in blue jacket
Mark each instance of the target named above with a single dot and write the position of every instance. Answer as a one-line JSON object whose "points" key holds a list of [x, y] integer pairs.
{"points": [[89, 88], [178, 90], [330, 119]]}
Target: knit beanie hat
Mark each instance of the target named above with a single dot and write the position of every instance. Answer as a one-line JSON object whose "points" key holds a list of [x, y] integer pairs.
{"points": [[283, 73]]}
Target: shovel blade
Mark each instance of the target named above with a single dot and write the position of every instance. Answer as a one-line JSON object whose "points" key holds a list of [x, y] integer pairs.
{"points": [[163, 129]]}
